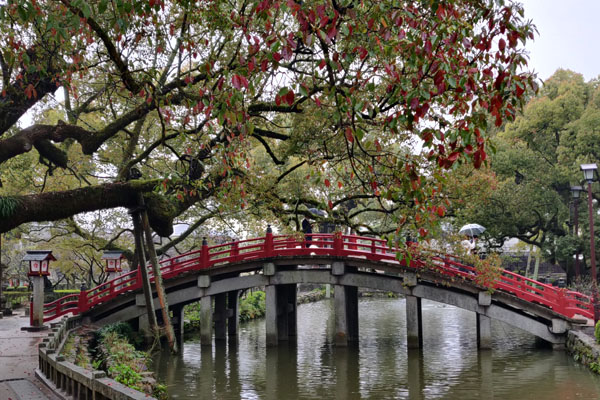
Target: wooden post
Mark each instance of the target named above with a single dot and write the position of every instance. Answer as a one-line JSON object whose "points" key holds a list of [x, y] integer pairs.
{"points": [[141, 257], [158, 282]]}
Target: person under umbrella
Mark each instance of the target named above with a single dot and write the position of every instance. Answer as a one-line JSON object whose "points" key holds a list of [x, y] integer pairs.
{"points": [[307, 229]]}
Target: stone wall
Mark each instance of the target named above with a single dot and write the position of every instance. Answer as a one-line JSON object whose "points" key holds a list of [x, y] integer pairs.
{"points": [[70, 381], [584, 349]]}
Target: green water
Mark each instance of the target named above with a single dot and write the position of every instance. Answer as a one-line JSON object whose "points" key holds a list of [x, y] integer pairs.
{"points": [[448, 367]]}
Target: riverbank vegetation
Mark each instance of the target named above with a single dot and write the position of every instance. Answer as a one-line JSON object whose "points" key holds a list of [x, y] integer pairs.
{"points": [[115, 349]]}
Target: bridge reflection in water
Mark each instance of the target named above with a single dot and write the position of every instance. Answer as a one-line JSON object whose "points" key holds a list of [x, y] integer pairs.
{"points": [[311, 367]]}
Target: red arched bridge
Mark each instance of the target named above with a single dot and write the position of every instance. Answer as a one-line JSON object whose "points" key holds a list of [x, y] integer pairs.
{"points": [[346, 261]]}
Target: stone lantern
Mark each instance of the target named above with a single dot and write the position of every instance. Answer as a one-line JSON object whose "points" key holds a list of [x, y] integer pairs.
{"points": [[39, 262], [113, 260]]}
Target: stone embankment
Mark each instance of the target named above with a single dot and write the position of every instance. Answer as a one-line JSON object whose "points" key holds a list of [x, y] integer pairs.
{"points": [[71, 381], [581, 344]]}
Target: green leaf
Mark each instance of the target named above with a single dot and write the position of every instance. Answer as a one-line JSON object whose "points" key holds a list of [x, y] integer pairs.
{"points": [[86, 9], [102, 6]]}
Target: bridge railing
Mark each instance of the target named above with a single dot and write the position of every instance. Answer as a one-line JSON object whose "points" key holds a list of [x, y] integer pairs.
{"points": [[65, 305], [562, 301]]}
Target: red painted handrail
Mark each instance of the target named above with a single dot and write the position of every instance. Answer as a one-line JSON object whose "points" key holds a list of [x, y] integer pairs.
{"points": [[562, 301]]}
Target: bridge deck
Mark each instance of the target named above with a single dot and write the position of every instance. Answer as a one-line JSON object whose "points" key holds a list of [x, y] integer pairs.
{"points": [[567, 303]]}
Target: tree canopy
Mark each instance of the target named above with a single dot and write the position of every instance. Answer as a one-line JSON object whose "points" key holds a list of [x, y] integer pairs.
{"points": [[270, 106], [536, 162]]}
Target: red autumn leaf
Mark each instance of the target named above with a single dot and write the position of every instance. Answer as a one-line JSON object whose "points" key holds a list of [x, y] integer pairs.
{"points": [[322, 64], [318, 102], [441, 211], [340, 184], [330, 203], [349, 135], [239, 81], [501, 45], [469, 149], [289, 97], [30, 91], [327, 183], [363, 53], [332, 33], [520, 89], [453, 156], [278, 100], [277, 57], [423, 232], [414, 103], [264, 65]]}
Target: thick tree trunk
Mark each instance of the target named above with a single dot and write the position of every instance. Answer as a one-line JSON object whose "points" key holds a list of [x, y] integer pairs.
{"points": [[158, 282]]}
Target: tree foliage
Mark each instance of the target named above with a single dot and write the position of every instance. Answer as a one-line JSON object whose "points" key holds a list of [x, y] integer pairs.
{"points": [[537, 161], [271, 106]]}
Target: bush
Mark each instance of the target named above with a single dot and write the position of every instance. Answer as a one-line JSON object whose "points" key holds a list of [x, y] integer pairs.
{"points": [[126, 375], [124, 330], [597, 332], [252, 306]]}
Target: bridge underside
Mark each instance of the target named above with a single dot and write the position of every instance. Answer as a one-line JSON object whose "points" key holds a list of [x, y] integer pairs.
{"points": [[534, 319]]}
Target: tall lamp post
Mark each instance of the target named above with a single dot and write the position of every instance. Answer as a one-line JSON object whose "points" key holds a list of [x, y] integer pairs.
{"points": [[576, 193], [588, 174]]}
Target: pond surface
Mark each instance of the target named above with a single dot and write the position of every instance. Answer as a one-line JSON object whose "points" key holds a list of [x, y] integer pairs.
{"points": [[448, 367]]}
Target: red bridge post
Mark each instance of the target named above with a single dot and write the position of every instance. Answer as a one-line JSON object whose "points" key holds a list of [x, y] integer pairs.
{"points": [[338, 244], [82, 301], [269, 242], [204, 256]]}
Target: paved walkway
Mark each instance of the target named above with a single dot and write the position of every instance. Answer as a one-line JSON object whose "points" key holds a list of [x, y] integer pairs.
{"points": [[18, 361]]}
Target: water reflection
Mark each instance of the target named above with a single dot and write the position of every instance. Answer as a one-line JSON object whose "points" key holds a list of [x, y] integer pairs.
{"points": [[448, 367]]}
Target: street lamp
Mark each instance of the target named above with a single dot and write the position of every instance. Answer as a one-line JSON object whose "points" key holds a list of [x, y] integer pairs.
{"points": [[576, 193], [588, 174]]}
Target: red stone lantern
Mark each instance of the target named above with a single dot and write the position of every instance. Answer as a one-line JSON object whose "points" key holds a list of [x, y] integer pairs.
{"points": [[113, 260], [39, 261]]}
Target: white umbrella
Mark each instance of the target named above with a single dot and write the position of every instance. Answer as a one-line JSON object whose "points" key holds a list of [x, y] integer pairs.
{"points": [[472, 230]]}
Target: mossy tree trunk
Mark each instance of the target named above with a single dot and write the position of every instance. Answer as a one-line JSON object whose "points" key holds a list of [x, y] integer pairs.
{"points": [[141, 258], [158, 282]]}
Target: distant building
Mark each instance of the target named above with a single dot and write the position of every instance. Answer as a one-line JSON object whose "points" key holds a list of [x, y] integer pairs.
{"points": [[547, 273]]}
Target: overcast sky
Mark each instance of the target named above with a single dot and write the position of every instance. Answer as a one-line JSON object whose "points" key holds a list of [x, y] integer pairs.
{"points": [[569, 36]]}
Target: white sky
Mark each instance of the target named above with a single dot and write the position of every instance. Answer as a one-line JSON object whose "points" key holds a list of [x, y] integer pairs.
{"points": [[569, 36]]}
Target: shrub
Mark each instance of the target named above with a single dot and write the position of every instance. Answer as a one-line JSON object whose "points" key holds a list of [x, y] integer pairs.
{"points": [[124, 330], [252, 306], [597, 332], [126, 375]]}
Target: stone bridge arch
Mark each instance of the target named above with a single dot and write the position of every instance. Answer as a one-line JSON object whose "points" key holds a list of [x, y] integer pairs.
{"points": [[217, 289]]}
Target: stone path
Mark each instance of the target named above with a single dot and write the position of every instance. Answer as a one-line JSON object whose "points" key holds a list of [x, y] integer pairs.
{"points": [[18, 361]]}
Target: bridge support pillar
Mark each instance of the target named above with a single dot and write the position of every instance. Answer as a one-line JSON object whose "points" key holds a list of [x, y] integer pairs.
{"points": [[280, 313], [484, 332], [233, 314], [292, 310], [144, 327], [37, 318], [346, 314], [220, 316], [206, 321], [177, 322], [271, 315], [414, 322]]}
